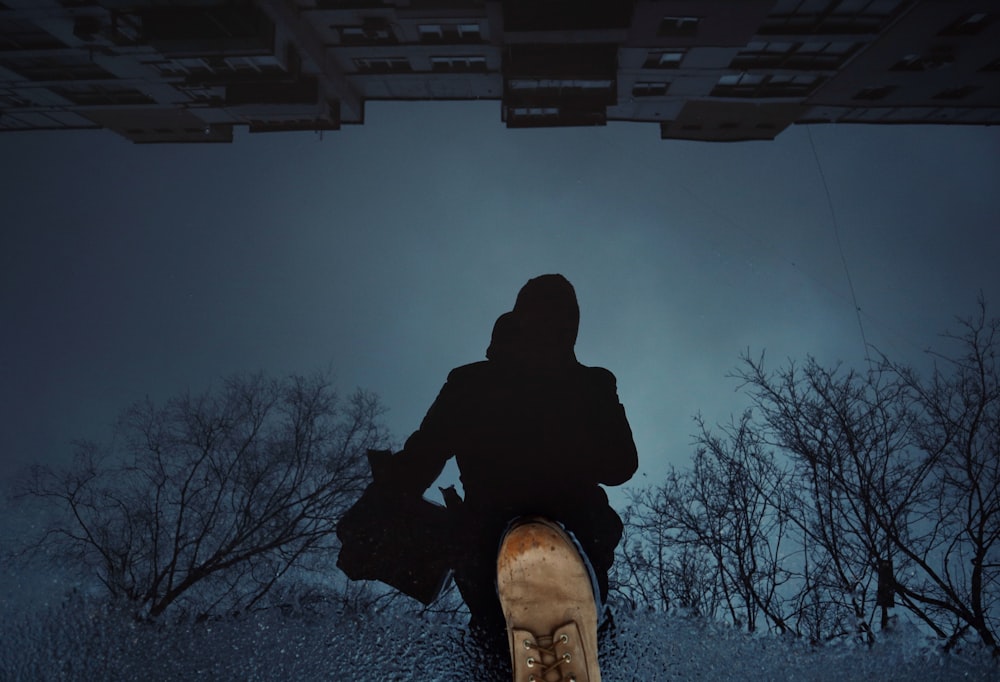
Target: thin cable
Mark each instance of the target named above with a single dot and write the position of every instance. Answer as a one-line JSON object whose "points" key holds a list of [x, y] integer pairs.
{"points": [[840, 246]]}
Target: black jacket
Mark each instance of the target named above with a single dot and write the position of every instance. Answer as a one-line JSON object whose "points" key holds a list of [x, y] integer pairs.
{"points": [[527, 442], [534, 432]]}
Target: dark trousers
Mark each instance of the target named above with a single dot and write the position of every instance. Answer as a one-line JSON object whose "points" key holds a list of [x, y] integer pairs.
{"points": [[479, 538]]}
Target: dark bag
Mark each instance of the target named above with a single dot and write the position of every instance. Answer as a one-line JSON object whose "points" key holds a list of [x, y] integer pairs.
{"points": [[396, 539]]}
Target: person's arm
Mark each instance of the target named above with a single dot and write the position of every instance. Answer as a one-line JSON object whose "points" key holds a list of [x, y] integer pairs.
{"points": [[618, 456], [414, 468]]}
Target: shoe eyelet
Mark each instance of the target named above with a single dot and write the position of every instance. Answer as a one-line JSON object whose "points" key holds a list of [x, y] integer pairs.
{"points": [[530, 662], [564, 638], [566, 657], [527, 644]]}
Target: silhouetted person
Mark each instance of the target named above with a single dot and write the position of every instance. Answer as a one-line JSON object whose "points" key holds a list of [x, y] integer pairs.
{"points": [[534, 433]]}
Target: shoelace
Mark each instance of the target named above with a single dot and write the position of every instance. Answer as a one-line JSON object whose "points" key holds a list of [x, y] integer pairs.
{"points": [[549, 659]]}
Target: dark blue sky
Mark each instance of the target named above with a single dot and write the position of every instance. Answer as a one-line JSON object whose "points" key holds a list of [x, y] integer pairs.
{"points": [[386, 251]]}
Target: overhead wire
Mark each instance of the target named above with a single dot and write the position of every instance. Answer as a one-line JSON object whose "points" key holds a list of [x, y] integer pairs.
{"points": [[840, 244], [852, 300]]}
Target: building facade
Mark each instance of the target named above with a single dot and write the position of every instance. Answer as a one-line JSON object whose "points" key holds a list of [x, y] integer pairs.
{"points": [[724, 70]]}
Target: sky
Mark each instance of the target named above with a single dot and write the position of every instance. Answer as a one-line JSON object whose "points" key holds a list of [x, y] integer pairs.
{"points": [[384, 252]]}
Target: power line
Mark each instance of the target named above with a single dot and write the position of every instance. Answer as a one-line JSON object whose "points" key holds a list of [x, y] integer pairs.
{"points": [[715, 208], [840, 245]]}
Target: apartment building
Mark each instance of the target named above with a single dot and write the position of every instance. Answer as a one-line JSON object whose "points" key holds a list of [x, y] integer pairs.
{"points": [[720, 70]]}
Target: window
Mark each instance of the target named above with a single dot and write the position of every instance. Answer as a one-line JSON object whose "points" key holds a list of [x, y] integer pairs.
{"points": [[812, 55], [37, 120], [968, 25], [547, 116], [372, 31], [560, 85], [219, 23], [469, 32], [664, 59], [535, 112], [759, 85], [526, 117], [383, 65], [650, 89], [565, 15], [829, 16], [67, 67], [458, 64], [13, 100], [191, 31], [874, 92], [309, 124], [86, 27], [254, 64], [746, 84], [789, 86], [911, 62], [679, 26], [576, 93], [431, 33], [350, 35], [200, 69], [210, 95], [349, 4], [303, 91], [126, 29], [450, 33], [18, 34], [93, 94], [934, 58], [763, 55], [170, 69], [956, 93], [822, 55]]}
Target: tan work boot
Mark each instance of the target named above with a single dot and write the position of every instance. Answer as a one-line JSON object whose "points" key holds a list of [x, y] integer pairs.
{"points": [[548, 601]]}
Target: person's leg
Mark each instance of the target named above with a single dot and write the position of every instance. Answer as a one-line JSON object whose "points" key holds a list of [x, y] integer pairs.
{"points": [[475, 577], [598, 530]]}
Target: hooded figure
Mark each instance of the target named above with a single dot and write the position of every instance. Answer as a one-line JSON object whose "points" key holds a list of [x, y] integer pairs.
{"points": [[534, 433]]}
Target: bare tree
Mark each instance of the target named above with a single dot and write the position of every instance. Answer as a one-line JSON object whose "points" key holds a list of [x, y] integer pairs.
{"points": [[954, 541], [855, 481], [898, 482], [645, 566], [712, 537], [209, 500], [883, 491]]}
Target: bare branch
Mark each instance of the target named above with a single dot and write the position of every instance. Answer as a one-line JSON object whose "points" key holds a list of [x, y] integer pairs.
{"points": [[211, 499]]}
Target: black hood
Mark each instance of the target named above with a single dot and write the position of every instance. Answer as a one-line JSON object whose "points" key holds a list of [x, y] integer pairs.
{"points": [[542, 328]]}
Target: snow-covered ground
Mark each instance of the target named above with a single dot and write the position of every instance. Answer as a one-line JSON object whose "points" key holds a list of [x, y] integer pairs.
{"points": [[78, 640], [47, 635]]}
